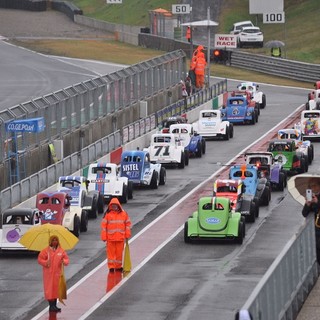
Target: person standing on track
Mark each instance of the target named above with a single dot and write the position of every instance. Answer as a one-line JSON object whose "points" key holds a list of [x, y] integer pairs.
{"points": [[52, 259], [115, 229]]}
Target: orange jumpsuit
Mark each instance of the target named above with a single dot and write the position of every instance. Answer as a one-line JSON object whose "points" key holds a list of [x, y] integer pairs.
{"points": [[51, 261], [200, 70], [188, 34], [115, 229], [197, 52]]}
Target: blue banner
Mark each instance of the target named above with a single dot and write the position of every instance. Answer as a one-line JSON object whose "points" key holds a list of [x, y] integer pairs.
{"points": [[26, 125]]}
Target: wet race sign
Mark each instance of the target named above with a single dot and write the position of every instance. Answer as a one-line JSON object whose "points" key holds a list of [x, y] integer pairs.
{"points": [[225, 41]]}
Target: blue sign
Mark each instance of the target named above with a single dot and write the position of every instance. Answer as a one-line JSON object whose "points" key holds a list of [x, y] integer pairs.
{"points": [[26, 125]]}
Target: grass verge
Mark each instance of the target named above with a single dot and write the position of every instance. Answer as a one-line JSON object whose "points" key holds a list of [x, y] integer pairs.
{"points": [[117, 52]]}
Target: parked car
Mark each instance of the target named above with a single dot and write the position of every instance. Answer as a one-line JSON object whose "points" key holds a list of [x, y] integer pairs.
{"points": [[309, 124], [238, 110], [140, 171], [257, 95], [165, 150], [240, 202], [55, 207], [256, 187], [166, 123], [250, 37], [82, 199], [14, 223], [103, 177], [193, 143], [214, 220], [267, 168], [304, 146], [284, 152], [211, 125], [237, 26]]}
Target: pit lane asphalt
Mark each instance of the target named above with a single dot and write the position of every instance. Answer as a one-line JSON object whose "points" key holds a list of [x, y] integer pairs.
{"points": [[182, 277]]}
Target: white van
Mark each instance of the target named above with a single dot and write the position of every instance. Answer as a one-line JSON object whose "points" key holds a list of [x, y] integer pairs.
{"points": [[237, 27]]}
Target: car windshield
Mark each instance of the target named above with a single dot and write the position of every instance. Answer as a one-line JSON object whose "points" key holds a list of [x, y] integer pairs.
{"points": [[250, 30], [243, 26]]}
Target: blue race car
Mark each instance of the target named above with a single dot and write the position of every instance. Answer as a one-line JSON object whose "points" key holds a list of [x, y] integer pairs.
{"points": [[193, 143], [257, 188], [238, 110], [137, 167]]}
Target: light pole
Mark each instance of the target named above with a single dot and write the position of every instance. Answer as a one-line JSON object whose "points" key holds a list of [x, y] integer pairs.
{"points": [[208, 49]]}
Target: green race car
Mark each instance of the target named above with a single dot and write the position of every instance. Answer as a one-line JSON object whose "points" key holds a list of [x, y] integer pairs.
{"points": [[286, 154], [214, 220]]}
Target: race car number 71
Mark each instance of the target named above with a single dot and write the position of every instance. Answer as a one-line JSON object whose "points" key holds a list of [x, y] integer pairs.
{"points": [[165, 152]]}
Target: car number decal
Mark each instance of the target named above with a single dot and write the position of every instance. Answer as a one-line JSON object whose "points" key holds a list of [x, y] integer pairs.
{"points": [[165, 150]]}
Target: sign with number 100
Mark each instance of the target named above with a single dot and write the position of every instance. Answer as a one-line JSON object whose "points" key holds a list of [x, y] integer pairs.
{"points": [[273, 17]]}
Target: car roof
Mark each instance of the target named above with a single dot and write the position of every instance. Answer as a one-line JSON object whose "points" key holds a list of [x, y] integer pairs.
{"points": [[236, 24], [250, 28]]}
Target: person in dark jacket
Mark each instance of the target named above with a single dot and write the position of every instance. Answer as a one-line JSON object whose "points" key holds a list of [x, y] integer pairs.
{"points": [[313, 207]]}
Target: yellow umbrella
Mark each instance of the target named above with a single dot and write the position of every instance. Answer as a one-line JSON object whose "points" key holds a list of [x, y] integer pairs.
{"points": [[37, 237]]}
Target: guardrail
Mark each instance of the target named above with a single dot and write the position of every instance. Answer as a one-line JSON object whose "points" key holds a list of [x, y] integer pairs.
{"points": [[285, 286], [290, 69], [276, 66]]}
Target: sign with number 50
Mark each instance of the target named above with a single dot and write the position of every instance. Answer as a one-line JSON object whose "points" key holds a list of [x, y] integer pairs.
{"points": [[181, 8]]}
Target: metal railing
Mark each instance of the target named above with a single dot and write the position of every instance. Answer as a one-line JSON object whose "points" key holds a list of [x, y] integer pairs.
{"points": [[47, 177], [276, 66], [282, 290], [74, 106]]}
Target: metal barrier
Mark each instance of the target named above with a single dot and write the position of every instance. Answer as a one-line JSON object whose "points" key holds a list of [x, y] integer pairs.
{"points": [[45, 178], [74, 106], [276, 66], [283, 289]]}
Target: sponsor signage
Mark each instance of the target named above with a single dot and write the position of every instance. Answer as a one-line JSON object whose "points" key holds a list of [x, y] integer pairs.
{"points": [[26, 125]]}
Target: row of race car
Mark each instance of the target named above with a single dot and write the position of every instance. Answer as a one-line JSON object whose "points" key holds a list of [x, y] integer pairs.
{"points": [[236, 200], [79, 198]]}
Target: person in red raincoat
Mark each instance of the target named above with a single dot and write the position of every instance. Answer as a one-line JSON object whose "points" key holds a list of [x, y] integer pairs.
{"points": [[52, 259], [115, 229]]}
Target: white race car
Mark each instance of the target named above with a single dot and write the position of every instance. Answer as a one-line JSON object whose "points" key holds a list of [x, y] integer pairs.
{"points": [[82, 199], [304, 146], [103, 177], [165, 150], [194, 144], [258, 96], [14, 223], [210, 125], [309, 124]]}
